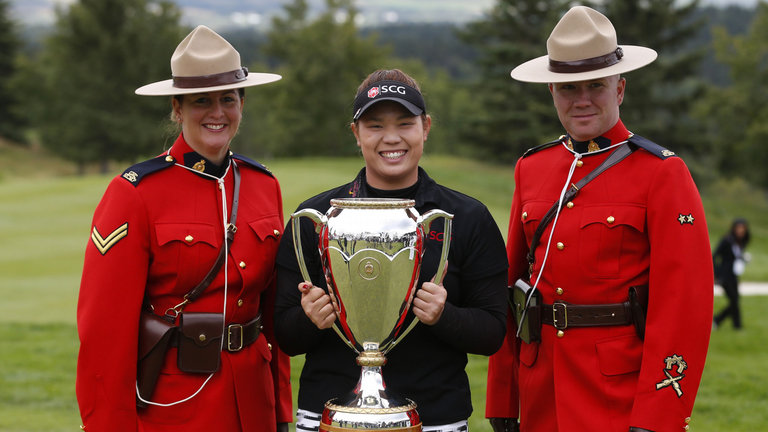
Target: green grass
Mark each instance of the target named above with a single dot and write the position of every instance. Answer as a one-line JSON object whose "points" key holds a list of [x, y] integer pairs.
{"points": [[45, 215]]}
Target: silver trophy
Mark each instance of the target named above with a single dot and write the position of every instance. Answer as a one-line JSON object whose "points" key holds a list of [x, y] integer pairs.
{"points": [[371, 251]]}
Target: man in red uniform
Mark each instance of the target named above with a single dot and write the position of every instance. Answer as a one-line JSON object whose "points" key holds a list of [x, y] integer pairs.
{"points": [[603, 361], [156, 233]]}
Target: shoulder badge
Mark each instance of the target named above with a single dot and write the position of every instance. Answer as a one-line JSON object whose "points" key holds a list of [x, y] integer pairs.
{"points": [[533, 150], [137, 172], [252, 163], [651, 147]]}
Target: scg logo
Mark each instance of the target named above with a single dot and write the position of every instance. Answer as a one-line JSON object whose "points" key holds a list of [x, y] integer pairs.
{"points": [[375, 91], [392, 89]]}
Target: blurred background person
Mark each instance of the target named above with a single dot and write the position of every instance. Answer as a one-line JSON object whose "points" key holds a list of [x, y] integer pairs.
{"points": [[730, 259]]}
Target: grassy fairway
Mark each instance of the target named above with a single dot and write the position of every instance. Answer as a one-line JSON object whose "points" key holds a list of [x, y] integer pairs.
{"points": [[44, 227]]}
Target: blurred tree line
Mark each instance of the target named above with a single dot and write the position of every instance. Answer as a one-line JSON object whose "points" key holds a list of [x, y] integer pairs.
{"points": [[75, 94]]}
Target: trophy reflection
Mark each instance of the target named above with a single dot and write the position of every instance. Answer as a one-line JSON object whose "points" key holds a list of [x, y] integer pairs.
{"points": [[371, 252]]}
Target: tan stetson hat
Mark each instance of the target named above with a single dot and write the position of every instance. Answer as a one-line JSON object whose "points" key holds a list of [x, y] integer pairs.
{"points": [[205, 62], [582, 47]]}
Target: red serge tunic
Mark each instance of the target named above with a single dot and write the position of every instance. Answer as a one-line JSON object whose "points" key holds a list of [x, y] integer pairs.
{"points": [[640, 222], [159, 228]]}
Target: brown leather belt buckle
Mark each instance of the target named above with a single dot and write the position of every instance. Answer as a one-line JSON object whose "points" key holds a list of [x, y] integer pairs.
{"points": [[560, 315], [237, 329]]}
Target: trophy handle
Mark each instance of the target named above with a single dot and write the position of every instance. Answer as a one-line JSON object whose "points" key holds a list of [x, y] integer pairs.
{"points": [[320, 221], [425, 220]]}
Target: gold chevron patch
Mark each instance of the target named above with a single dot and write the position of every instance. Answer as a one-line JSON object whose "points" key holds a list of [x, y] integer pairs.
{"points": [[104, 244]]}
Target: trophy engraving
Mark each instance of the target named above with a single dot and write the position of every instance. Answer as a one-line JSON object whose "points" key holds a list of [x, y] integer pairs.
{"points": [[371, 251]]}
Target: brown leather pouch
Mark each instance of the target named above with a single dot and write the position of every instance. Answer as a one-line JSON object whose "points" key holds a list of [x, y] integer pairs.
{"points": [[155, 335], [527, 312], [638, 306], [200, 342]]}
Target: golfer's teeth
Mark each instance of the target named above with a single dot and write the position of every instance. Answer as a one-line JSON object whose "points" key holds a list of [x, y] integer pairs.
{"points": [[214, 127], [393, 155]]}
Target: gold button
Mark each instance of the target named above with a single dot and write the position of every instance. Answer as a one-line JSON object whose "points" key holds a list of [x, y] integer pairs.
{"points": [[240, 303], [525, 215], [189, 238], [560, 333], [559, 291], [277, 232], [686, 427], [579, 163], [221, 186], [687, 420], [570, 204], [242, 264], [169, 158], [611, 219], [202, 337], [269, 345], [560, 246]]}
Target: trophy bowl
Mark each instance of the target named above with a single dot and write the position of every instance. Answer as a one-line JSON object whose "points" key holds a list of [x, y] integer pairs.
{"points": [[371, 252]]}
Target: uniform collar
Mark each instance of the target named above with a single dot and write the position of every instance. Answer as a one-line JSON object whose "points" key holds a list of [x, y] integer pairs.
{"points": [[424, 193], [183, 154], [614, 135]]}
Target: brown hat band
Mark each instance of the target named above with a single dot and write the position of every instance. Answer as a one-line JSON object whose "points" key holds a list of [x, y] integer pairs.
{"points": [[218, 79], [586, 65]]}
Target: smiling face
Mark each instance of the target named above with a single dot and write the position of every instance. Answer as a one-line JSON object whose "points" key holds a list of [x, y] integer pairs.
{"points": [[392, 141], [209, 121], [588, 108]]}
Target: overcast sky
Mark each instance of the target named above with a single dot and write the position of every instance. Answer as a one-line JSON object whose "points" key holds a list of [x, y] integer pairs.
{"points": [[42, 11]]}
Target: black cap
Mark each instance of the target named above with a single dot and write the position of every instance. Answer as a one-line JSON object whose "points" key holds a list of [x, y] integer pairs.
{"points": [[396, 91]]}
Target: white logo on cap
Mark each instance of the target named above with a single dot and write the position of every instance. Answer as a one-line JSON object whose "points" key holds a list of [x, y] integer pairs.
{"points": [[393, 89]]}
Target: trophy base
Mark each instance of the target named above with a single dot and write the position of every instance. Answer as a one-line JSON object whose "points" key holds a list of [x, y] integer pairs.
{"points": [[345, 418], [370, 407]]}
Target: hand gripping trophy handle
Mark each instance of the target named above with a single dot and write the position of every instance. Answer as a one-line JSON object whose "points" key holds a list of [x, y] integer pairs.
{"points": [[320, 221], [425, 221]]}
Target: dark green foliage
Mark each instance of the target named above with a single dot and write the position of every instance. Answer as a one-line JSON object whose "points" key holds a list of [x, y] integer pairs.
{"points": [[98, 54], [509, 116], [11, 125], [322, 62], [735, 118]]}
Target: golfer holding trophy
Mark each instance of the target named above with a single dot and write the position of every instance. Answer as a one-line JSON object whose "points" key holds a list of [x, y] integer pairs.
{"points": [[390, 268]]}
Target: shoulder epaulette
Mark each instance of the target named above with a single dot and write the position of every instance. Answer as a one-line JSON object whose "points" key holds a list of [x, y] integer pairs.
{"points": [[252, 163], [137, 172], [533, 150], [651, 147]]}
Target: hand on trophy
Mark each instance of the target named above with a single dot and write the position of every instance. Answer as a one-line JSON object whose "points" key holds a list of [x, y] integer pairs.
{"points": [[429, 303], [317, 305]]}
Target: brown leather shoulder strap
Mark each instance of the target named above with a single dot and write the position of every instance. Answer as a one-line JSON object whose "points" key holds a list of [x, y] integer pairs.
{"points": [[616, 156]]}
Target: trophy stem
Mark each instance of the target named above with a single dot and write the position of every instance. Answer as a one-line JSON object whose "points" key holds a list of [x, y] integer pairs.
{"points": [[370, 407]]}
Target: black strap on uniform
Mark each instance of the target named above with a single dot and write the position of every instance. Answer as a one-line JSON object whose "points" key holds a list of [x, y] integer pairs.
{"points": [[616, 156], [231, 228]]}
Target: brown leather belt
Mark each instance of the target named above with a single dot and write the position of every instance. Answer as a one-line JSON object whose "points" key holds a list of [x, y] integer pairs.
{"points": [[236, 336], [239, 336], [562, 315]]}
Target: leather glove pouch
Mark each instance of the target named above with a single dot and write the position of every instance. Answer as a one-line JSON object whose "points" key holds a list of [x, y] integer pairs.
{"points": [[200, 342], [638, 304], [528, 323]]}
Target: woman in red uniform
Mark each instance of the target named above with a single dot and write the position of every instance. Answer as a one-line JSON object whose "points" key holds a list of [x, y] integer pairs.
{"points": [[158, 230], [600, 362]]}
